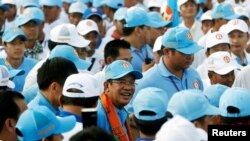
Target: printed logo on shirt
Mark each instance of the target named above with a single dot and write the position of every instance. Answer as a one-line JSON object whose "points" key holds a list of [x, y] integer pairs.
{"points": [[189, 36], [196, 84]]}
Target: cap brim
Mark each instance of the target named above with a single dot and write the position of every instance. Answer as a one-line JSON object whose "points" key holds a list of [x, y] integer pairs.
{"points": [[65, 124], [79, 42], [93, 14], [11, 84], [136, 74], [81, 64], [15, 36], [230, 17], [160, 24], [4, 7], [192, 49], [16, 72], [226, 70]]}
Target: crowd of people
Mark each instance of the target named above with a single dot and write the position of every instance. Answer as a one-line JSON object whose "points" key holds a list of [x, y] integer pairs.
{"points": [[145, 77]]}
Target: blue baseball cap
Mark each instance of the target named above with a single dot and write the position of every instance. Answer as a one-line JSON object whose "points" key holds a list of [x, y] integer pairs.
{"points": [[69, 1], [150, 99], [191, 104], [223, 11], [11, 33], [30, 3], [156, 19], [120, 13], [235, 98], [30, 14], [214, 92], [91, 12], [4, 7], [137, 16], [119, 69], [115, 4], [97, 3], [77, 7], [69, 53], [51, 3], [180, 39], [39, 122]]}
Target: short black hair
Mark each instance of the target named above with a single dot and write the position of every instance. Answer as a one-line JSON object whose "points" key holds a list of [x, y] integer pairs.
{"points": [[150, 127], [8, 106], [55, 70], [112, 48], [92, 133]]}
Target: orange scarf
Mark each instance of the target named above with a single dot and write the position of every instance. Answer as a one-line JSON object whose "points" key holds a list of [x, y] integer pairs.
{"points": [[114, 121]]}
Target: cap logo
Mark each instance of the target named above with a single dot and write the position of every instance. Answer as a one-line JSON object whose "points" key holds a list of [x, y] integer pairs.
{"points": [[189, 36], [196, 84], [125, 65], [15, 30], [93, 10], [89, 23], [235, 22], [226, 59], [218, 36]]}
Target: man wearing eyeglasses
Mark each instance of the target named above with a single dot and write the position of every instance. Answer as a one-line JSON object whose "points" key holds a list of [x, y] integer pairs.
{"points": [[119, 88]]}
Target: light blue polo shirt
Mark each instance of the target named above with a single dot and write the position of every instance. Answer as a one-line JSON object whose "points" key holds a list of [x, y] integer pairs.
{"points": [[42, 101], [160, 77], [102, 119], [140, 55], [26, 65]]}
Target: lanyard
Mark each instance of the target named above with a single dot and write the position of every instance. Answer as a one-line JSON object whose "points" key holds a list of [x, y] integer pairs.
{"points": [[170, 77]]}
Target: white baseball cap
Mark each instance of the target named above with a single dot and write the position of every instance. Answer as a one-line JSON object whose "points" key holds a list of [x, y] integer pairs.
{"points": [[216, 38], [178, 129], [206, 15], [77, 7], [84, 82], [236, 24], [220, 63], [5, 76], [86, 26], [157, 44], [154, 3], [67, 33], [181, 2], [240, 11]]}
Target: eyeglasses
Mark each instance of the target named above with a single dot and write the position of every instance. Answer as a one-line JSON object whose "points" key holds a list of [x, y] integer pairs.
{"points": [[123, 83]]}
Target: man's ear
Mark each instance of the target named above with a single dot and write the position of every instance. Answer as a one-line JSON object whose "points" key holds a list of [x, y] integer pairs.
{"points": [[10, 125], [109, 60], [106, 86]]}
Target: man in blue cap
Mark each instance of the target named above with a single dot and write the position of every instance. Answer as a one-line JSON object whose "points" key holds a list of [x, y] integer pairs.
{"points": [[13, 39], [29, 21], [136, 32], [173, 73], [119, 88]]}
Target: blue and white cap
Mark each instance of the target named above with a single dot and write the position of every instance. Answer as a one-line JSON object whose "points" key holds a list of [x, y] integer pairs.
{"points": [[156, 19], [11, 33], [39, 122], [69, 53], [223, 11], [119, 69], [214, 92], [113, 3], [137, 16], [30, 3], [180, 39], [150, 99], [235, 102], [191, 104], [51, 3], [30, 14]]}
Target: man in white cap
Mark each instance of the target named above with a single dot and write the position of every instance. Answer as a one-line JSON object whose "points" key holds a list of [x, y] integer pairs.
{"points": [[11, 14], [76, 12], [89, 30], [206, 21], [237, 31], [221, 69]]}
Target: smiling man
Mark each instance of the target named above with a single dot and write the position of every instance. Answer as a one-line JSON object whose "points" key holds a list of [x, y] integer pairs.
{"points": [[118, 90]]}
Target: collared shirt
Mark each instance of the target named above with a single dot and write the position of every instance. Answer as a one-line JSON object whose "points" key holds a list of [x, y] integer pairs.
{"points": [[139, 56], [37, 52], [160, 77], [26, 65], [42, 101], [66, 113], [102, 119], [246, 59], [97, 61]]}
